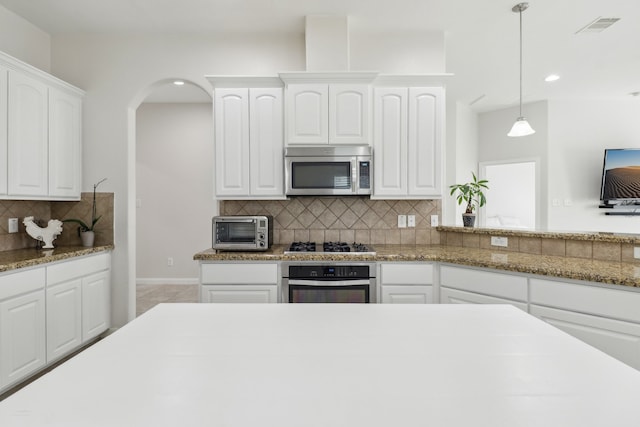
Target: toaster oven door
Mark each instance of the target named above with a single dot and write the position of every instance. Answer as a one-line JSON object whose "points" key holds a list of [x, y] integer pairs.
{"points": [[235, 234]]}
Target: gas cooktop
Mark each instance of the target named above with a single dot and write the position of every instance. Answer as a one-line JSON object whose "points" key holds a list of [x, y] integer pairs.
{"points": [[333, 247]]}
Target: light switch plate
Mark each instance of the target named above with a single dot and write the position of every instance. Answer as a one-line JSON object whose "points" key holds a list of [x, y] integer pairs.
{"points": [[636, 252], [402, 221], [434, 220], [13, 225], [411, 220], [499, 241]]}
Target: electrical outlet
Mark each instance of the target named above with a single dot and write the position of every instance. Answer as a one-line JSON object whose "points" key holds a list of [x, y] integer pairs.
{"points": [[170, 262], [434, 220], [499, 241], [13, 225], [411, 220], [402, 221], [636, 252]]}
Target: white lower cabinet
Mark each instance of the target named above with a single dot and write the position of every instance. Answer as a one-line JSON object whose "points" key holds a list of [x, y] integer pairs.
{"points": [[50, 311], [64, 318], [454, 296], [406, 283], [606, 318], [22, 325], [242, 282], [96, 305], [614, 337], [239, 293]]}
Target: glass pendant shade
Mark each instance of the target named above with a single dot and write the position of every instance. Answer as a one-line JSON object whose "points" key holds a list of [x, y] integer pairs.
{"points": [[521, 128]]}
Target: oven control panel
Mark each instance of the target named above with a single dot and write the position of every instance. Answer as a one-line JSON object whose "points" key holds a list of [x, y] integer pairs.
{"points": [[329, 272]]}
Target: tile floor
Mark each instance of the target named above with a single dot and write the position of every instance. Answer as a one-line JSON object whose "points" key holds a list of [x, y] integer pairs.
{"points": [[147, 296]]}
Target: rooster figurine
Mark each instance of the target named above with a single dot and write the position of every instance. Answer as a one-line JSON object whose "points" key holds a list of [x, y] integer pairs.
{"points": [[46, 235]]}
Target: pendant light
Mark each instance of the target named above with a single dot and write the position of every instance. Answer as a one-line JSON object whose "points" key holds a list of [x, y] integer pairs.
{"points": [[521, 127]]}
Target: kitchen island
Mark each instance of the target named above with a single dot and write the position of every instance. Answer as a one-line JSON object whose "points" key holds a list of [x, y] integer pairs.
{"points": [[332, 365]]}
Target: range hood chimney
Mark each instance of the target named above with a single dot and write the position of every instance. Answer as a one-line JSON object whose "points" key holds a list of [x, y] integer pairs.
{"points": [[327, 43]]}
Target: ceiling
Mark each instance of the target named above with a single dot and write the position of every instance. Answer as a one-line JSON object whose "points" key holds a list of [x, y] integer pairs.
{"points": [[481, 36]]}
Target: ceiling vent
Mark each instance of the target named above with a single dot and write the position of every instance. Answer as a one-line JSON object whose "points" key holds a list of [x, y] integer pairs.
{"points": [[598, 26]]}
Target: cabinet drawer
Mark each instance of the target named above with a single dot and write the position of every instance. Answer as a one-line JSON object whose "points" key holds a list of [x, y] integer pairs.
{"points": [[406, 274], [484, 282], [71, 269], [413, 294], [615, 303], [20, 282], [243, 273], [454, 296]]}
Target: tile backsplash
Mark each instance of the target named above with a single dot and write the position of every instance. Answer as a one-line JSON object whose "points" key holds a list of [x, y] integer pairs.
{"points": [[43, 211], [348, 219]]}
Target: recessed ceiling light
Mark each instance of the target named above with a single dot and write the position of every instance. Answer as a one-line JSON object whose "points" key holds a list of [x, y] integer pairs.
{"points": [[178, 82], [551, 78]]}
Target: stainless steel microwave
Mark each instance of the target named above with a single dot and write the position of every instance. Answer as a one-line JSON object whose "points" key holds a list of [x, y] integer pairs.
{"points": [[328, 171], [242, 233]]}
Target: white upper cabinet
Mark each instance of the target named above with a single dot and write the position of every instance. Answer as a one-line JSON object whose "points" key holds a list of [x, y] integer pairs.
{"points": [[28, 136], [349, 112], [407, 139], [65, 144], [308, 114], [322, 113], [40, 134], [266, 142], [231, 107], [4, 99], [249, 142]]}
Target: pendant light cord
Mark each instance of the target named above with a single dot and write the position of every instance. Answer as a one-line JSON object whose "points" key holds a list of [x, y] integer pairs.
{"points": [[520, 62]]}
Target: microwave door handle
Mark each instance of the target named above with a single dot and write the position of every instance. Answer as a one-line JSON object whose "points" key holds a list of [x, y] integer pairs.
{"points": [[354, 176], [240, 220]]}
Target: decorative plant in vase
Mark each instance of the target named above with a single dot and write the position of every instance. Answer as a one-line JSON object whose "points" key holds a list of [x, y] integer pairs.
{"points": [[470, 193], [86, 231]]}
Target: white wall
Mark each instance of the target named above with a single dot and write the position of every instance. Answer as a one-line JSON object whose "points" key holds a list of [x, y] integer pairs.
{"points": [[461, 156], [495, 146], [118, 72], [579, 131], [174, 170], [23, 40]]}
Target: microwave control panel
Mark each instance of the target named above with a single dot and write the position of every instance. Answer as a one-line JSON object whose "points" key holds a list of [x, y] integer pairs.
{"points": [[364, 175]]}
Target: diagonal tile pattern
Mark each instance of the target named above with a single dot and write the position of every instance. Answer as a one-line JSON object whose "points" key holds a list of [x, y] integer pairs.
{"points": [[343, 218]]}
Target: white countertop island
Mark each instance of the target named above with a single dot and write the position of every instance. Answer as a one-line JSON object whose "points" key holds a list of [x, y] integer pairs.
{"points": [[299, 365]]}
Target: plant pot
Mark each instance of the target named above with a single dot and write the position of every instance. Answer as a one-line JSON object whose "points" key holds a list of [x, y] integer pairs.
{"points": [[87, 238], [468, 220]]}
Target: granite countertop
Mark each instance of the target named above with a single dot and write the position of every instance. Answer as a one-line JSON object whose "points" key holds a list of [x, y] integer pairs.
{"points": [[21, 258], [595, 236], [617, 273]]}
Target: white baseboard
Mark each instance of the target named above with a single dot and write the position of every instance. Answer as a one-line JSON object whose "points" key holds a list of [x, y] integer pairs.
{"points": [[167, 281]]}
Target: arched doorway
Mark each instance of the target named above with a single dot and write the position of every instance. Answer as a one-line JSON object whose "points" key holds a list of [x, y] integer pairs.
{"points": [[173, 191]]}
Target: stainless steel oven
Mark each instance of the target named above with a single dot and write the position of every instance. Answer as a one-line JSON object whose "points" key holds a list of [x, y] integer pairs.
{"points": [[328, 171], [329, 282]]}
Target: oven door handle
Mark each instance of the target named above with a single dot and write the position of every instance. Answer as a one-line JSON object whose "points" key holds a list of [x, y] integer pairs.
{"points": [[303, 282]]}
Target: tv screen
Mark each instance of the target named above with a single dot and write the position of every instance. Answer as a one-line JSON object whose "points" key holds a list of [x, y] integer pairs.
{"points": [[621, 175]]}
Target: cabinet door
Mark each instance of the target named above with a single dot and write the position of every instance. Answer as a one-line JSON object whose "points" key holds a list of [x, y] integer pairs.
{"points": [[266, 142], [64, 319], [4, 99], [616, 338], [231, 111], [22, 336], [65, 150], [349, 111], [390, 142], [239, 294], [28, 132], [96, 305], [307, 113], [424, 141], [454, 296], [412, 294]]}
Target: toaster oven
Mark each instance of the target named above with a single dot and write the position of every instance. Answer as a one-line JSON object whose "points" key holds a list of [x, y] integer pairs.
{"points": [[242, 233]]}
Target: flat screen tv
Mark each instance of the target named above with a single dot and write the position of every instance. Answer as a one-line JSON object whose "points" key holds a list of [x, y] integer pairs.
{"points": [[621, 176]]}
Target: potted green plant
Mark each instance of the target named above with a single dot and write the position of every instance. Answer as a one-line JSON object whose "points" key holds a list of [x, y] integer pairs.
{"points": [[86, 231], [470, 193]]}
